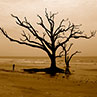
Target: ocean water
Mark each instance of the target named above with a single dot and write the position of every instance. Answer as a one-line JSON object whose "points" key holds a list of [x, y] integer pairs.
{"points": [[81, 62], [27, 61]]}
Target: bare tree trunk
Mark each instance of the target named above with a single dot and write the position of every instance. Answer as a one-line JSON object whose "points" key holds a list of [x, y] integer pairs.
{"points": [[67, 71], [53, 62]]}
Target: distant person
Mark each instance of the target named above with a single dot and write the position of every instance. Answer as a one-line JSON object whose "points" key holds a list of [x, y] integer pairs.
{"points": [[13, 67]]}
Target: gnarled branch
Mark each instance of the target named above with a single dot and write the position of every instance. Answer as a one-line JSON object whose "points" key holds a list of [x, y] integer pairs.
{"points": [[43, 26], [75, 34], [27, 25], [20, 42], [73, 54]]}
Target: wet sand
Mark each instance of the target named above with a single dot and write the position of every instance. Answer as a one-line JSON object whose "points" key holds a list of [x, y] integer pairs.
{"points": [[82, 82]]}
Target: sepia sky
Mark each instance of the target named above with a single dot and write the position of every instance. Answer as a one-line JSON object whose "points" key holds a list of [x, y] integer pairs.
{"points": [[78, 11]]}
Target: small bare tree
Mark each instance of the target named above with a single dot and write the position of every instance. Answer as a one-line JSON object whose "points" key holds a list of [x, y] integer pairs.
{"points": [[65, 52], [50, 40]]}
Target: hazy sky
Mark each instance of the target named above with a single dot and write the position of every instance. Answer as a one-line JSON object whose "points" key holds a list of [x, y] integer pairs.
{"points": [[78, 11]]}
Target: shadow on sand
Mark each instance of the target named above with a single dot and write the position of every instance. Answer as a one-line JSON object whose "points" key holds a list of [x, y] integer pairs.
{"points": [[50, 71], [5, 70], [40, 70]]}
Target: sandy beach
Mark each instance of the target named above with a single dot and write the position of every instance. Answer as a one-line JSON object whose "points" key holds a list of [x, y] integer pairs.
{"points": [[82, 82]]}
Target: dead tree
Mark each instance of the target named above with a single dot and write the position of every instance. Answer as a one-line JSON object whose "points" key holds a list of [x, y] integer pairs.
{"points": [[51, 39], [65, 52]]}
